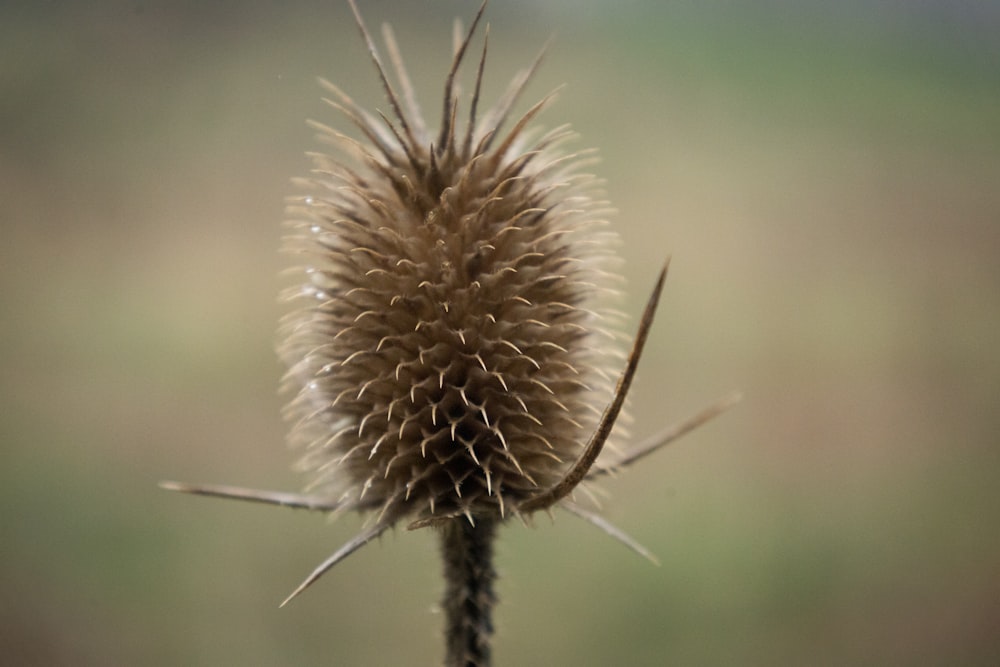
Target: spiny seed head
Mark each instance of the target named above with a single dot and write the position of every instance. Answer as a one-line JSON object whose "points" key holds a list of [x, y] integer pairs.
{"points": [[452, 350], [451, 346]]}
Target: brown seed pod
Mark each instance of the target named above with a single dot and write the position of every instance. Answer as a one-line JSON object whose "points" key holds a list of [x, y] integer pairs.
{"points": [[451, 346], [453, 349]]}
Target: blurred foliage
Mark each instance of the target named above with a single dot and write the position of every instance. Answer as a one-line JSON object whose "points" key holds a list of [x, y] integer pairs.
{"points": [[826, 178]]}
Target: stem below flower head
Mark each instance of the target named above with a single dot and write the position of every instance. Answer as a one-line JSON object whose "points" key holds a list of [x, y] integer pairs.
{"points": [[467, 550]]}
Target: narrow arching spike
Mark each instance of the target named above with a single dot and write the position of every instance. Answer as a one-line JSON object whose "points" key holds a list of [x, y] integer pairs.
{"points": [[434, 170], [343, 552], [293, 500], [474, 106], [523, 122], [611, 529], [498, 114], [582, 466], [367, 127], [451, 135], [446, 137], [671, 433], [409, 95], [457, 30], [414, 163], [389, 92]]}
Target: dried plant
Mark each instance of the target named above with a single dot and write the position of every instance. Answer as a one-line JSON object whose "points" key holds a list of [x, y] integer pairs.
{"points": [[453, 349]]}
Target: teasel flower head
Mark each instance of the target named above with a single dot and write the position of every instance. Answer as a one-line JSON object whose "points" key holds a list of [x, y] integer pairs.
{"points": [[454, 356], [451, 347]]}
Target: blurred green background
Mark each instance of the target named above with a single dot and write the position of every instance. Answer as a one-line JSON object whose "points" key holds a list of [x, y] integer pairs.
{"points": [[827, 180]]}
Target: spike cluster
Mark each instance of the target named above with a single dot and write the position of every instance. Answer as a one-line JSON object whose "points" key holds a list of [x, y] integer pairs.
{"points": [[451, 348]]}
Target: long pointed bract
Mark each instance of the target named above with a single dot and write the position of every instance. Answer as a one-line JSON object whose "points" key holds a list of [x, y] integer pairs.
{"points": [[579, 470], [340, 554], [294, 500], [474, 104], [389, 92], [609, 528], [409, 95], [498, 114], [671, 433], [446, 137]]}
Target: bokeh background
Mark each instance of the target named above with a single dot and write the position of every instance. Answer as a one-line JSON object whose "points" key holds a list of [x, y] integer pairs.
{"points": [[827, 179]]}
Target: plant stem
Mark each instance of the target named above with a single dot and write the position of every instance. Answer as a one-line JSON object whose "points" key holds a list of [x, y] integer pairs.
{"points": [[467, 550]]}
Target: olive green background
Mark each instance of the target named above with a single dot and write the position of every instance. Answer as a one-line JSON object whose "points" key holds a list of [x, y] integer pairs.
{"points": [[827, 180]]}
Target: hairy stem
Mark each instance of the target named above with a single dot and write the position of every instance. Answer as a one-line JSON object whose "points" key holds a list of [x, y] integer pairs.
{"points": [[468, 598]]}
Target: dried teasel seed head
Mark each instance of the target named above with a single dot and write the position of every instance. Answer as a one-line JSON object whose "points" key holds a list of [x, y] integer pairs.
{"points": [[452, 347], [452, 351]]}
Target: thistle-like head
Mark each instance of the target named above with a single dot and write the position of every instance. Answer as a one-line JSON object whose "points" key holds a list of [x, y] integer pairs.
{"points": [[452, 352], [451, 347]]}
